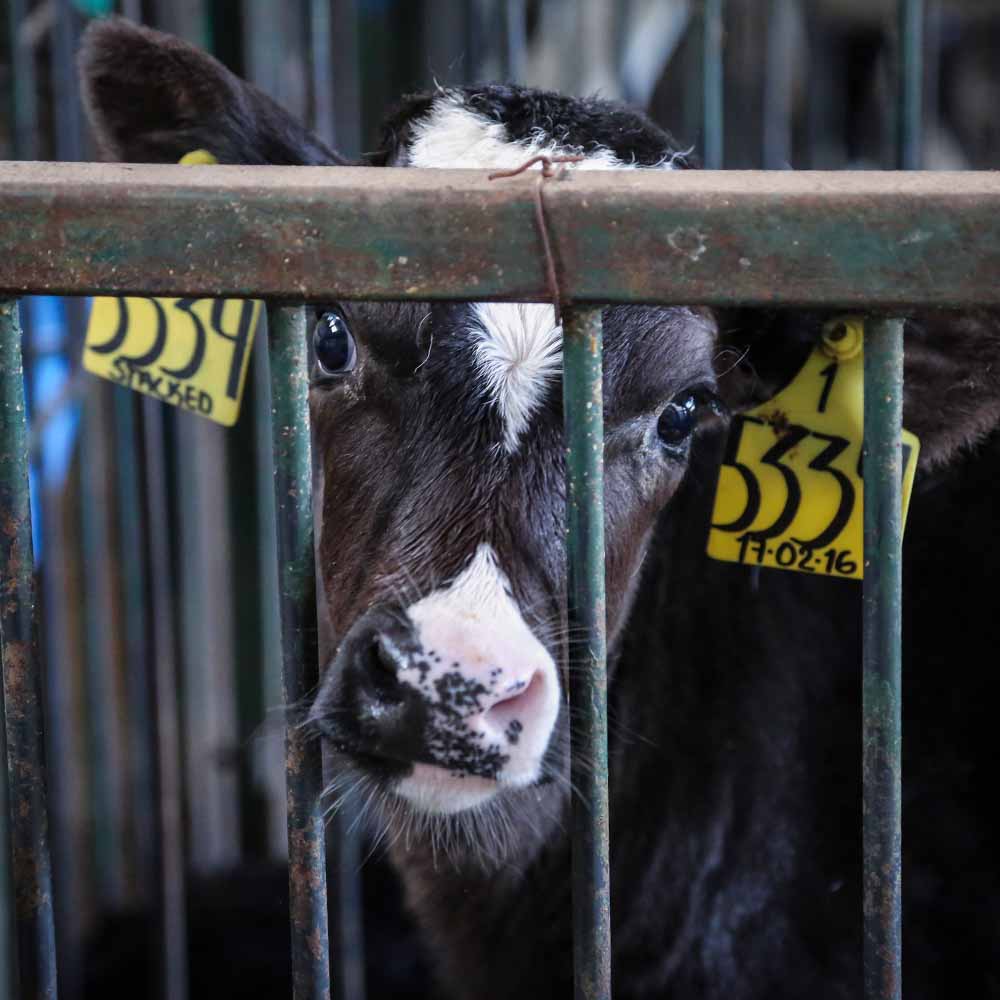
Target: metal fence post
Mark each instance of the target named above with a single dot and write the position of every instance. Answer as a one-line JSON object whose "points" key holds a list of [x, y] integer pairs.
{"points": [[22, 682], [583, 414], [297, 582], [881, 618]]}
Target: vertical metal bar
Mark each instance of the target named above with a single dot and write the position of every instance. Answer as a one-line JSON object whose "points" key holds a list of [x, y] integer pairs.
{"points": [[8, 973], [776, 153], [102, 702], [881, 617], [344, 843], [583, 416], [344, 16], [68, 129], [910, 78], [22, 682], [23, 83], [135, 616], [712, 83], [516, 37], [300, 664], [162, 658], [321, 70]]}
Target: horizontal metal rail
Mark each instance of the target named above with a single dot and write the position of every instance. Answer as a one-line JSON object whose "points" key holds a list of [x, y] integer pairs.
{"points": [[325, 233]]}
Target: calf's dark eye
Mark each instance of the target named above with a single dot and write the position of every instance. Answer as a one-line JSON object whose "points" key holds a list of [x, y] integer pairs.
{"points": [[678, 420], [334, 347]]}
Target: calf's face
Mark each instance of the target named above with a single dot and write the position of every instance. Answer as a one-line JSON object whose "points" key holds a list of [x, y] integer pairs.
{"points": [[440, 453], [438, 438]]}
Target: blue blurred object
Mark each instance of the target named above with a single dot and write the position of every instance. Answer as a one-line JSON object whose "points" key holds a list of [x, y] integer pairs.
{"points": [[49, 370]]}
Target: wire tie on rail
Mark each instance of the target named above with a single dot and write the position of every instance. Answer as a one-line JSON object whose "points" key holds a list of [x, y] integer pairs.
{"points": [[548, 171]]}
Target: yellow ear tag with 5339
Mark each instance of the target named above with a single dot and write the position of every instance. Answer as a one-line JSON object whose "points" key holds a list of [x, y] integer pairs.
{"points": [[191, 353], [790, 490]]}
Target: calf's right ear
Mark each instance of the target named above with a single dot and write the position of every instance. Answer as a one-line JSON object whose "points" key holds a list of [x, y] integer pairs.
{"points": [[151, 98]]}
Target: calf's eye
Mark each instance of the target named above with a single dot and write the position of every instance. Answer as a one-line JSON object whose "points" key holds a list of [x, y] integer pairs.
{"points": [[678, 420], [334, 347]]}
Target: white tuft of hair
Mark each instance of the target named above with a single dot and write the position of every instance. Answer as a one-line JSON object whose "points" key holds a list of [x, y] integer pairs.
{"points": [[518, 351]]}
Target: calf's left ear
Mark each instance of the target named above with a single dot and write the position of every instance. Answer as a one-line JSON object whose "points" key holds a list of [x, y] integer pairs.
{"points": [[151, 98], [951, 369]]}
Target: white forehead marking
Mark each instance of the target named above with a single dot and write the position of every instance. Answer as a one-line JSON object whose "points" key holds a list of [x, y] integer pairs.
{"points": [[518, 347], [518, 351]]}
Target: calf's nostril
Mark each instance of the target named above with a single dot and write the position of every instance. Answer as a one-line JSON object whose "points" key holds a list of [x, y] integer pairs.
{"points": [[385, 659], [517, 706]]}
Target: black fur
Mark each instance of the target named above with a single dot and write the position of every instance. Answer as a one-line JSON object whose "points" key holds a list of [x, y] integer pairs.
{"points": [[579, 125]]}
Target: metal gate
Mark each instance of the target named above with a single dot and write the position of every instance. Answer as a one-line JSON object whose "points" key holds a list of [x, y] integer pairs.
{"points": [[818, 239]]}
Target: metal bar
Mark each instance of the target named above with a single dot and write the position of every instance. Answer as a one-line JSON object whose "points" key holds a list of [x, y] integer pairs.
{"points": [[321, 64], [108, 807], [8, 971], [583, 416], [23, 82], [881, 617], [136, 613], [776, 138], [161, 655], [862, 239], [68, 112], [713, 73], [22, 682], [345, 838], [296, 569], [910, 80]]}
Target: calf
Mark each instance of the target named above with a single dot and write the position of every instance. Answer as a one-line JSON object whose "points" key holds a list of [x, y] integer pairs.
{"points": [[733, 704]]}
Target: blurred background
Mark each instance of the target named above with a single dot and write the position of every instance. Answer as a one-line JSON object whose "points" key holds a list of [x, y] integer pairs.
{"points": [[155, 538]]}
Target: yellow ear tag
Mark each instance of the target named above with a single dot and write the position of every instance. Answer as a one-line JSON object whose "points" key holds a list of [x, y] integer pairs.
{"points": [[790, 490], [191, 353]]}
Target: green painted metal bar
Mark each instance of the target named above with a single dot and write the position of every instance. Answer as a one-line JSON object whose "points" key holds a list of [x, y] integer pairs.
{"points": [[866, 239], [300, 662], [583, 416], [910, 84], [8, 972], [22, 682], [713, 73], [882, 658]]}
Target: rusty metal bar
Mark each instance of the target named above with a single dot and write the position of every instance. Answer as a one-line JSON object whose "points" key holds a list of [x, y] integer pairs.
{"points": [[300, 661], [882, 660], [583, 416], [326, 233], [22, 682]]}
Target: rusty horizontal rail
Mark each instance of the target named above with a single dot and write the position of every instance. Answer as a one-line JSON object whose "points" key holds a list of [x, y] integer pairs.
{"points": [[321, 233]]}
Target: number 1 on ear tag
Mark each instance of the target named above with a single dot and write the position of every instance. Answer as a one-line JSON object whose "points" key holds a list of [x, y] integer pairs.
{"points": [[191, 353], [790, 487]]}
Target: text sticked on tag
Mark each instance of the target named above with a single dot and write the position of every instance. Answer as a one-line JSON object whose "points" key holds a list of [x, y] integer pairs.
{"points": [[790, 488], [191, 353]]}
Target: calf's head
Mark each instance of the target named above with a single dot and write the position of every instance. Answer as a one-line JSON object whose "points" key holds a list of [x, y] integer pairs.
{"points": [[438, 440]]}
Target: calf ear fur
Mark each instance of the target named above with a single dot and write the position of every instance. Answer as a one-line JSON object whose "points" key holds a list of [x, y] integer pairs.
{"points": [[951, 369], [151, 98]]}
